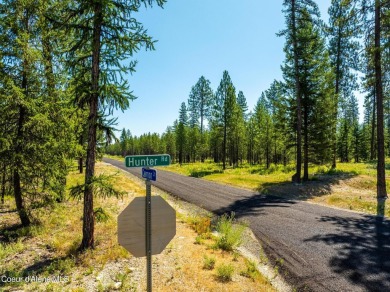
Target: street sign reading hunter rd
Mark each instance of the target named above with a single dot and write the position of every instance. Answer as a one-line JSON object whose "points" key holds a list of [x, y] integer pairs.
{"points": [[147, 160]]}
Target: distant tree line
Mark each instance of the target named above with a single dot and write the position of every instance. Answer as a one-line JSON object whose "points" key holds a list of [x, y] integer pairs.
{"points": [[311, 116]]}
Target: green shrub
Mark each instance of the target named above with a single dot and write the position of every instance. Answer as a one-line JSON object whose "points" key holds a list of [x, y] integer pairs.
{"points": [[251, 270], [208, 263], [198, 239], [230, 235], [225, 272]]}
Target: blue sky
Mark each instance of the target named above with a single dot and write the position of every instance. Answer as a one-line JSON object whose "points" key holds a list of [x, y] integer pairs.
{"points": [[203, 37]]}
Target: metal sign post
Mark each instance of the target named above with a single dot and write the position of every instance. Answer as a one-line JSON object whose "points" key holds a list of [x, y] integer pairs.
{"points": [[148, 237], [135, 224]]}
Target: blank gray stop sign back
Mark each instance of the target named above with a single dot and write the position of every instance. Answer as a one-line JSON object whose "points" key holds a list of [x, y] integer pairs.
{"points": [[131, 226]]}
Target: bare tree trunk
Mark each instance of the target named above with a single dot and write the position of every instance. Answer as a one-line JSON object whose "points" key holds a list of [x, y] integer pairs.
{"points": [[201, 132], [276, 157], [16, 176], [305, 145], [267, 150], [373, 127], [297, 175], [80, 164], [19, 200], [381, 176], [224, 146], [19, 141], [337, 92], [3, 184]]}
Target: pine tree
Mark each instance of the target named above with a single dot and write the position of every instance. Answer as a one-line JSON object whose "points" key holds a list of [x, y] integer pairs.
{"points": [[264, 130], [199, 107], [235, 128], [277, 105], [223, 110], [241, 100], [181, 133], [105, 35], [307, 74], [381, 175], [124, 142], [374, 20], [170, 141], [317, 104], [38, 136], [250, 133], [342, 30], [293, 11]]}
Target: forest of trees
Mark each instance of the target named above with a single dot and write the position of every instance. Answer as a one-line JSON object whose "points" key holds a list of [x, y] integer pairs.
{"points": [[311, 116], [63, 68], [62, 73]]}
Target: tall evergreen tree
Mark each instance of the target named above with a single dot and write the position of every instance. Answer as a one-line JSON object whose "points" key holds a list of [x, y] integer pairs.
{"points": [[343, 30], [251, 134], [307, 72], [37, 139], [200, 102], [200, 106], [293, 11], [170, 141], [381, 175], [106, 34], [181, 133], [318, 103], [375, 18], [235, 128], [241, 100], [263, 130], [282, 134], [124, 142], [223, 110]]}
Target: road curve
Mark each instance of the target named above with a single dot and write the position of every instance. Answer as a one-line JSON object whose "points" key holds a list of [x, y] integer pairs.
{"points": [[323, 249]]}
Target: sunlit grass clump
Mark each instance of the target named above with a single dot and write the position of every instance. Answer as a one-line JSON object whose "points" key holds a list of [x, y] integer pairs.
{"points": [[230, 232], [225, 272]]}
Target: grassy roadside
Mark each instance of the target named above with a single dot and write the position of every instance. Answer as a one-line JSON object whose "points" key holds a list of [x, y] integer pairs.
{"points": [[351, 186], [48, 250]]}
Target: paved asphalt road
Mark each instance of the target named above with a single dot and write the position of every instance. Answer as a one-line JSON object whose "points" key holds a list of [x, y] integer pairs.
{"points": [[323, 249]]}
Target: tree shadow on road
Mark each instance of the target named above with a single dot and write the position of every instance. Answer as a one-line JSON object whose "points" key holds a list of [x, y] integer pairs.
{"points": [[362, 249], [283, 194], [253, 205]]}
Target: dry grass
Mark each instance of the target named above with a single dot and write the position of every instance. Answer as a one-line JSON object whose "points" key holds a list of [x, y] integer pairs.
{"points": [[248, 181], [50, 249]]}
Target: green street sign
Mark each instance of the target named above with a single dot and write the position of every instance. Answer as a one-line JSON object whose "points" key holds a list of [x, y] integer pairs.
{"points": [[147, 160]]}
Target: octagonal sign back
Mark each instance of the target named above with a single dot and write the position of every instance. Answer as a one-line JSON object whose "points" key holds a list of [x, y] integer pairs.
{"points": [[132, 229]]}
